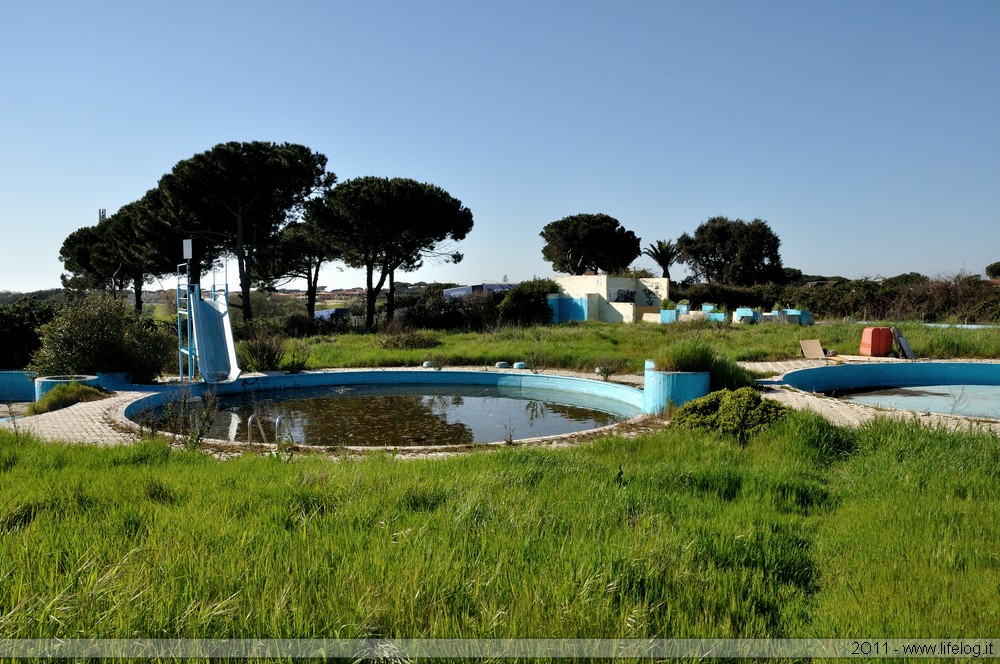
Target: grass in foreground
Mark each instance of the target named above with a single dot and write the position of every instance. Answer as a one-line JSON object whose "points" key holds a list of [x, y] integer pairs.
{"points": [[808, 530]]}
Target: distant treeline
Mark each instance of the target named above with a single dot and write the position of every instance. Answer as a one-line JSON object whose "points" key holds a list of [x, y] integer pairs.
{"points": [[9, 297], [962, 298]]}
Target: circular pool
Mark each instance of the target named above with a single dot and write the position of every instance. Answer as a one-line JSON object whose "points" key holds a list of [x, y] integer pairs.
{"points": [[398, 408], [407, 415], [968, 389]]}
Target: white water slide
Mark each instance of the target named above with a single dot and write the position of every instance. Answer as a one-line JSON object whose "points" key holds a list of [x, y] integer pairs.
{"points": [[213, 338]]}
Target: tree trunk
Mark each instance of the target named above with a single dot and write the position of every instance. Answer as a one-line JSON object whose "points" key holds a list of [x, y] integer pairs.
{"points": [[312, 285], [371, 294], [243, 265], [369, 297], [244, 272], [137, 291]]}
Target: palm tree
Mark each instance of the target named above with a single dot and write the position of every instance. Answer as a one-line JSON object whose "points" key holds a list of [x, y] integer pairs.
{"points": [[664, 253]]}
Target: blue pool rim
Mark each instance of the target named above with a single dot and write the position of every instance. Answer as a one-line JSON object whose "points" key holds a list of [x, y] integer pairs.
{"points": [[892, 374], [622, 400]]}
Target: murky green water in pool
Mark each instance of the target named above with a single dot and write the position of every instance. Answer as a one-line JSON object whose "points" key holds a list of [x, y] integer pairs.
{"points": [[400, 416]]}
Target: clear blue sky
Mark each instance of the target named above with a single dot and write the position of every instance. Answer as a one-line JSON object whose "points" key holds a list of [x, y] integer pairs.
{"points": [[867, 134]]}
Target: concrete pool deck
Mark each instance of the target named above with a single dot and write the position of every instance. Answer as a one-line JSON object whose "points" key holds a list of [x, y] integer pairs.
{"points": [[104, 423]]}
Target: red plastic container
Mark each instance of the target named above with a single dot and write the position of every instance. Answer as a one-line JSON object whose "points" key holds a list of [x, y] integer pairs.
{"points": [[876, 341]]}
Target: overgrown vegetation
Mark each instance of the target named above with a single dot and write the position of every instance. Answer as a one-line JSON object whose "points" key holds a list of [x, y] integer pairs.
{"points": [[262, 350], [581, 346], [65, 395], [190, 417], [19, 330], [399, 336], [527, 303], [297, 353], [694, 354], [740, 413], [683, 534], [101, 333]]}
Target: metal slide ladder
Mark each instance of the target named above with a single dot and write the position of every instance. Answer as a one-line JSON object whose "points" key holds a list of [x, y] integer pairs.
{"points": [[187, 293], [277, 430]]}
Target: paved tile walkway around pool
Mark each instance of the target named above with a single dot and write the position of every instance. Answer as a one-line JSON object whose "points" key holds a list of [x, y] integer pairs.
{"points": [[103, 422]]}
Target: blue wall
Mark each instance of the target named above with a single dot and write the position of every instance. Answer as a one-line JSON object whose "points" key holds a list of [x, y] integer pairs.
{"points": [[568, 308], [17, 386], [893, 374], [663, 388]]}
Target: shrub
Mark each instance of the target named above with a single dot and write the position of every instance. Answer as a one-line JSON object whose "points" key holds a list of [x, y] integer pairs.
{"points": [[481, 311], [743, 413], [101, 333], [609, 366], [528, 303], [431, 310], [296, 355], [299, 325], [399, 336], [19, 330], [62, 396], [740, 413], [187, 417], [476, 312], [295, 326], [261, 351], [699, 413]]}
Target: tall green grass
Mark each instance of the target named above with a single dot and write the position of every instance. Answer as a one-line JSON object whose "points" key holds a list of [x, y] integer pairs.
{"points": [[640, 537], [915, 534], [807, 530], [583, 346], [693, 354]]}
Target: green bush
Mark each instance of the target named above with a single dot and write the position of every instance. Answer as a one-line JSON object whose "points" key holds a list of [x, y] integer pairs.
{"points": [[430, 310], [62, 396], [19, 325], [699, 413], [739, 413], [261, 351], [528, 303], [101, 333], [400, 335], [408, 340]]}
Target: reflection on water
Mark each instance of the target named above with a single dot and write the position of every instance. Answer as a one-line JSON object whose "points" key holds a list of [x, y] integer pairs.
{"points": [[400, 416]]}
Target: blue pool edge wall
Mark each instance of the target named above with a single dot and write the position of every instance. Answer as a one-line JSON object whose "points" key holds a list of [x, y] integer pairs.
{"points": [[893, 374], [17, 386], [622, 400], [663, 389]]}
